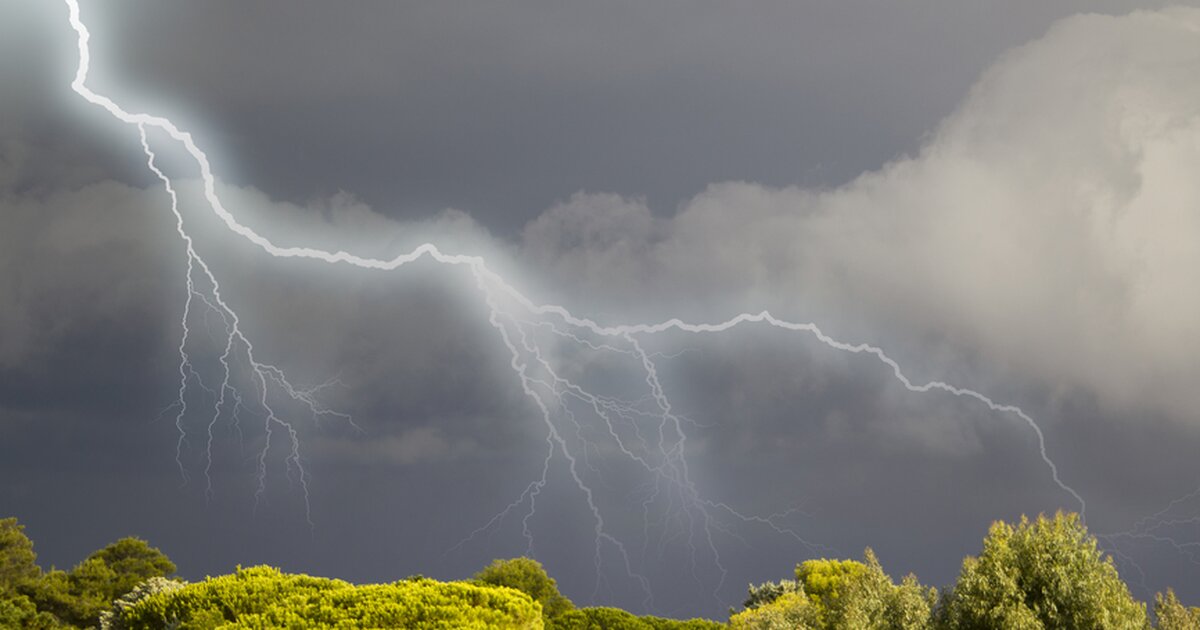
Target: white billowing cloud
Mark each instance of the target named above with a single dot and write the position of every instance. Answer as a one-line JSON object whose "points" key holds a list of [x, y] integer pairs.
{"points": [[1050, 225]]}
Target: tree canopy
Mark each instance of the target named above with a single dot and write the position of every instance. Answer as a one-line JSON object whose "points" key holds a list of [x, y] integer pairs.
{"points": [[528, 576], [840, 595], [1045, 574], [264, 597], [1173, 615], [18, 562]]}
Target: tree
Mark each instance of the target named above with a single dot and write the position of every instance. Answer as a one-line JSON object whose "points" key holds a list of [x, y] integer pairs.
{"points": [[1045, 574], [1175, 616], [19, 577], [18, 611], [825, 581], [528, 576], [104, 576], [844, 595], [117, 568], [51, 594], [768, 592], [18, 562], [791, 611], [603, 618], [79, 596], [869, 600]]}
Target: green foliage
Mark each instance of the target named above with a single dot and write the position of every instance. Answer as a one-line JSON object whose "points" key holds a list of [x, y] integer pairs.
{"points": [[18, 611], [18, 562], [1175, 616], [112, 619], [1048, 574], [51, 593], [825, 580], [528, 576], [601, 618], [19, 575], [1045, 574], [768, 592], [122, 565], [102, 577], [792, 610], [911, 605], [263, 597], [869, 600], [846, 595], [30, 598]]}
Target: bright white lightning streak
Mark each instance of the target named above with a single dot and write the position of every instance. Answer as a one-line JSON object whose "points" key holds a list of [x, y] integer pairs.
{"points": [[537, 377]]}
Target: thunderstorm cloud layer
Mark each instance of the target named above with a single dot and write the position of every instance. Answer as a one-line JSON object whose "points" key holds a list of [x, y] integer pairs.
{"points": [[1033, 240]]}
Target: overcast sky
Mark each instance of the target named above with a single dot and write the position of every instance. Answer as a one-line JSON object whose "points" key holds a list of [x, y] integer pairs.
{"points": [[1002, 196]]}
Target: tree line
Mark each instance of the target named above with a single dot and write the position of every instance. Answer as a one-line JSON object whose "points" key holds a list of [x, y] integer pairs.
{"points": [[1044, 574]]}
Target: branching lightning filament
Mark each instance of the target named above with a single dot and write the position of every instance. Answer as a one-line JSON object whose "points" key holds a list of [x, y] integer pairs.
{"points": [[647, 431]]}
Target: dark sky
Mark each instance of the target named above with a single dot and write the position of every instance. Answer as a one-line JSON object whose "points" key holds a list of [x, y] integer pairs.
{"points": [[999, 195]]}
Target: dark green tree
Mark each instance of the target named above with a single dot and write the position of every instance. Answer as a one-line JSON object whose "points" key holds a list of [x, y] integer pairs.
{"points": [[107, 574], [117, 568], [18, 562], [19, 577], [603, 618], [528, 576], [768, 592], [51, 594], [1048, 574]]}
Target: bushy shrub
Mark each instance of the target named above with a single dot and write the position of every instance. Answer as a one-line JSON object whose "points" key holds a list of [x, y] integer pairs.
{"points": [[528, 576], [263, 597], [601, 618]]}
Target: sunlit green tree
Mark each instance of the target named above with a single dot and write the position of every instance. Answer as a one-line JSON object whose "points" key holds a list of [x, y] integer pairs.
{"points": [[1173, 615], [839, 595], [869, 600], [264, 597], [1046, 574]]}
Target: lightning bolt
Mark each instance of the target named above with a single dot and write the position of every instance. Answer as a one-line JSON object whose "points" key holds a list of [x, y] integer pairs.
{"points": [[1165, 529], [648, 431]]}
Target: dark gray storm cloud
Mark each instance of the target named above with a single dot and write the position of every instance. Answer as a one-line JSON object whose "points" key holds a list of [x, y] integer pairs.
{"points": [[1000, 198], [499, 110]]}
